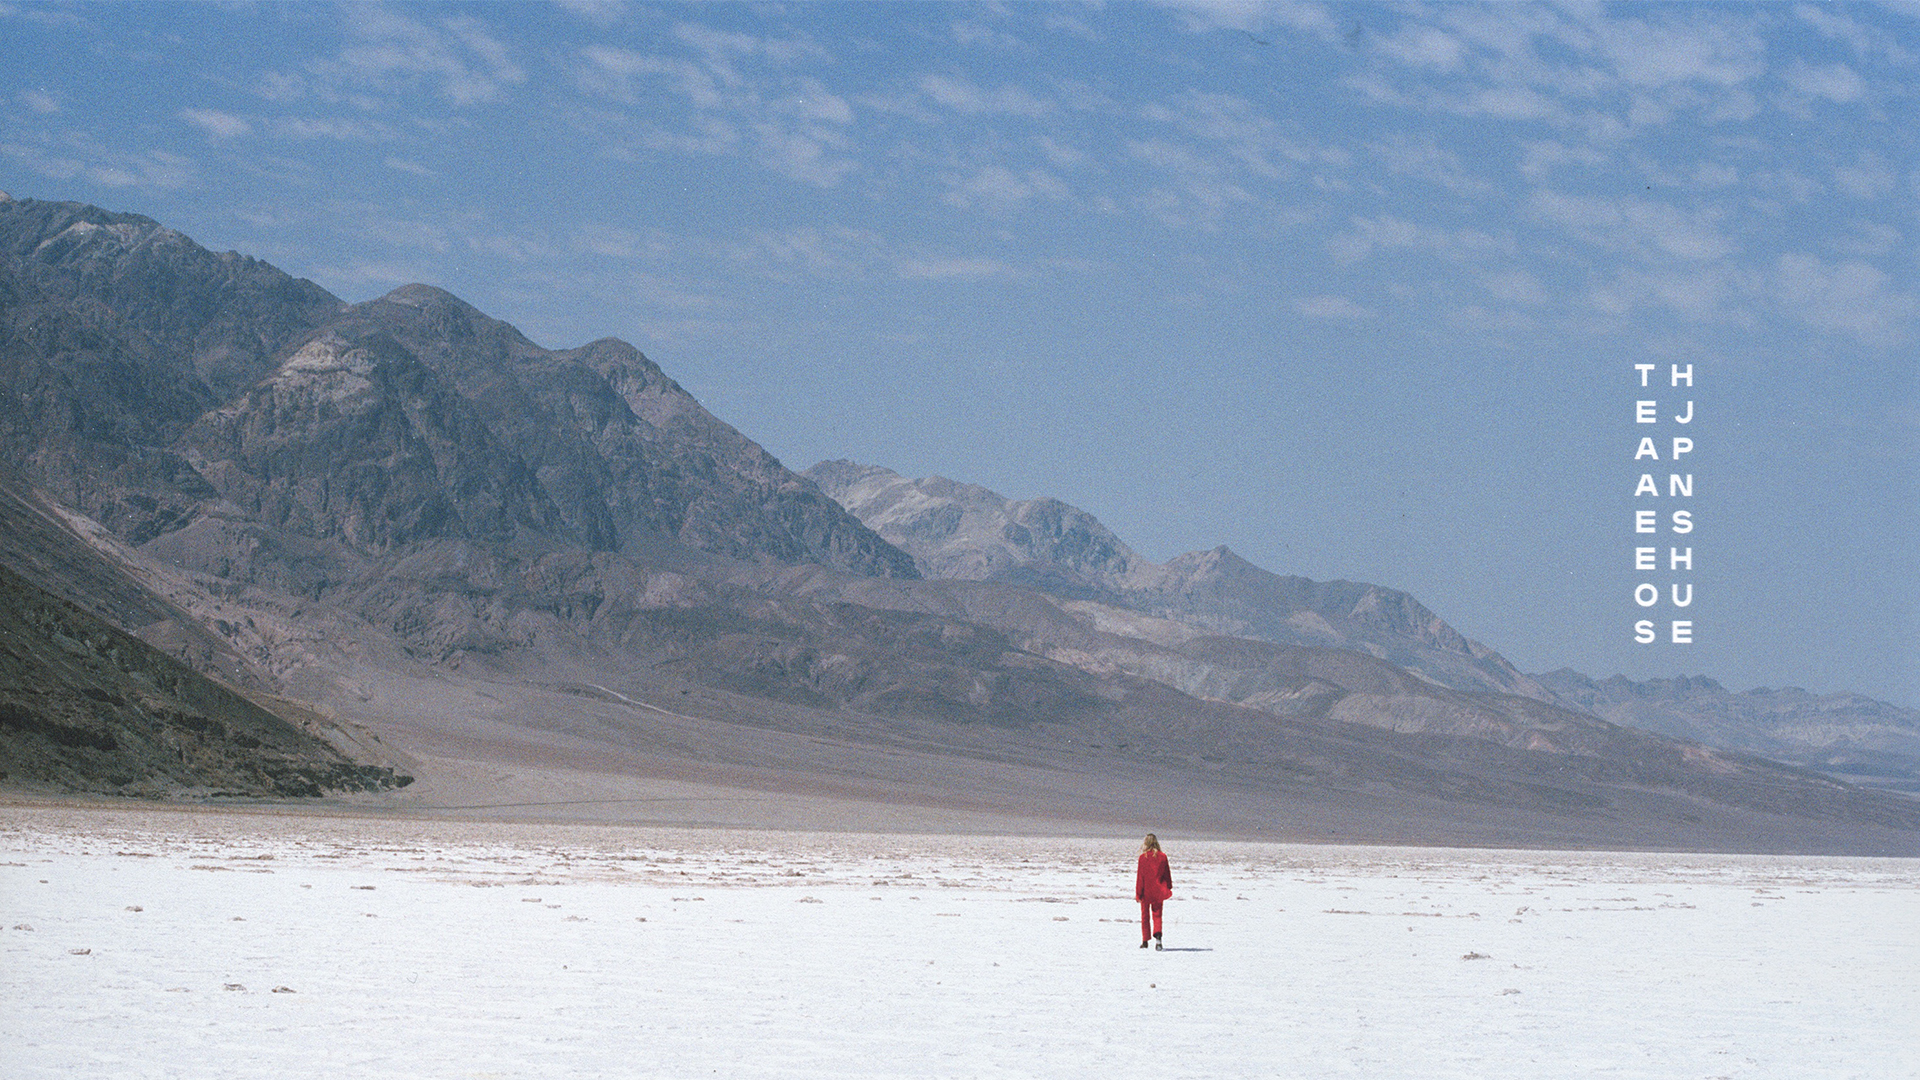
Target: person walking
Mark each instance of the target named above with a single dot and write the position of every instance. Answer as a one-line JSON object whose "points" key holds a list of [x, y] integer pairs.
{"points": [[1152, 884]]}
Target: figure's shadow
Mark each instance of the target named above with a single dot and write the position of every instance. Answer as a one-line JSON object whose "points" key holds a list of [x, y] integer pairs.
{"points": [[1189, 948]]}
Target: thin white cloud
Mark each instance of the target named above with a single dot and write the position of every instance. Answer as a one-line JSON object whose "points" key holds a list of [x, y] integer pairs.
{"points": [[411, 168], [40, 102], [1634, 225], [978, 33], [948, 269], [515, 249], [964, 97], [1515, 287], [345, 129], [1851, 297], [1064, 21], [1870, 240], [459, 58], [219, 125], [1711, 175], [671, 291], [1203, 191], [997, 187], [721, 45], [1204, 16], [615, 242], [81, 158], [1681, 46], [1219, 152], [1867, 42], [809, 250], [1542, 158], [1834, 82], [1425, 46], [1388, 233], [1424, 158], [43, 14], [601, 13], [1060, 154], [611, 72], [1371, 234], [1591, 71], [812, 155], [744, 100], [846, 253], [1869, 177], [1337, 308], [1243, 132]]}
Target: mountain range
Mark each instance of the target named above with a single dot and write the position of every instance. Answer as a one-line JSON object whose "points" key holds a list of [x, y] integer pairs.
{"points": [[444, 554], [967, 532]]}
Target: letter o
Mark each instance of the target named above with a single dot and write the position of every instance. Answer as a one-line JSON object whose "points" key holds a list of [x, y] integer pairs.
{"points": [[1646, 594]]}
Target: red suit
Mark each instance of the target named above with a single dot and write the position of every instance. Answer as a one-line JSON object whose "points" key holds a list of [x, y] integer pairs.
{"points": [[1152, 884]]}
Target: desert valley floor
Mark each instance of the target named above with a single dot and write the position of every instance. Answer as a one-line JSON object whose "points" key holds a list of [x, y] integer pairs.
{"points": [[153, 942]]}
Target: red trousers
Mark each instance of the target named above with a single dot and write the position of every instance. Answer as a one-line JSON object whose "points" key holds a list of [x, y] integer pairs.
{"points": [[1150, 918]]}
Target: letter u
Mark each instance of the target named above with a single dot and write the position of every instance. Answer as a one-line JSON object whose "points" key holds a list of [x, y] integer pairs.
{"points": [[1677, 602]]}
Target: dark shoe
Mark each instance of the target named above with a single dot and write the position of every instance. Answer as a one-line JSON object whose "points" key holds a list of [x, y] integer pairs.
{"points": [[1143, 944], [1156, 946]]}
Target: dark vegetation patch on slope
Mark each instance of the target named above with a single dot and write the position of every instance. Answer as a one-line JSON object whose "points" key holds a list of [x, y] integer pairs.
{"points": [[86, 707]]}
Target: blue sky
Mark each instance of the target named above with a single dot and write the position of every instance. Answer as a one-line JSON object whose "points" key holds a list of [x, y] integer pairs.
{"points": [[1355, 290]]}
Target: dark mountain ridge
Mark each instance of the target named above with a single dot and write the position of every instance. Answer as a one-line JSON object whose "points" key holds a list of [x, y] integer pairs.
{"points": [[120, 337], [119, 334]]}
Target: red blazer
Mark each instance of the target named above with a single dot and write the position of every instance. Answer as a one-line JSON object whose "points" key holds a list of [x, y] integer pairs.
{"points": [[1153, 882]]}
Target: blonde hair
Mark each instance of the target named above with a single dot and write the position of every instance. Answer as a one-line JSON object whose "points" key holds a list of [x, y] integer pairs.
{"points": [[1151, 843]]}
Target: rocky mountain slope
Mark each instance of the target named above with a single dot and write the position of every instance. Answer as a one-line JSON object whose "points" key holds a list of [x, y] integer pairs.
{"points": [[132, 356], [966, 532], [405, 516], [116, 334], [87, 706], [1846, 735]]}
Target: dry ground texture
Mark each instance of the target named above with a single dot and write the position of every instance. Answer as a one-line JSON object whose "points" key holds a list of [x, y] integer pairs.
{"points": [[166, 943]]}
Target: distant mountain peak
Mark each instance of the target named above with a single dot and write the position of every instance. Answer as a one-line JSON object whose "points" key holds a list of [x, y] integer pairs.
{"points": [[1847, 735], [1217, 559], [968, 532], [422, 296], [964, 531]]}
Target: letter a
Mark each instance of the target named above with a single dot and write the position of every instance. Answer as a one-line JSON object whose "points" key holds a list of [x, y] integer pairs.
{"points": [[1646, 450]]}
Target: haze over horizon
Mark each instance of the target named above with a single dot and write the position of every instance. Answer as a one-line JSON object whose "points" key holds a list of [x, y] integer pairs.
{"points": [[1355, 291]]}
